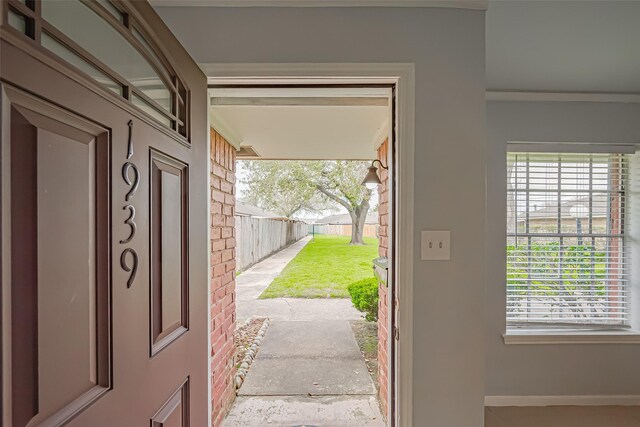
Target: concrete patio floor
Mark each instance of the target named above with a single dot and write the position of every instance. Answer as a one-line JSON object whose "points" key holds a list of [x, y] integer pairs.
{"points": [[308, 358], [307, 373], [289, 411], [309, 369]]}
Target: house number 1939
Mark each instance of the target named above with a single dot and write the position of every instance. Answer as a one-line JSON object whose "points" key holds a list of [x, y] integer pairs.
{"points": [[131, 177]]}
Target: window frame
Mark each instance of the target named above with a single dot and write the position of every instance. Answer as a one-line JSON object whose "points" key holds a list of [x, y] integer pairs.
{"points": [[555, 332]]}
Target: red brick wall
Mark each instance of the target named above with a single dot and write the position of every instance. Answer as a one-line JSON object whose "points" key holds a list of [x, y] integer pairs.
{"points": [[383, 250], [223, 273]]}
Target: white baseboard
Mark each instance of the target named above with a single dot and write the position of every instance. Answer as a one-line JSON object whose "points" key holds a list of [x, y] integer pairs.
{"points": [[610, 400]]}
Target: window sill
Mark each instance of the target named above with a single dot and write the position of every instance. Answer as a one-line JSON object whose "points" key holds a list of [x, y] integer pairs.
{"points": [[571, 336]]}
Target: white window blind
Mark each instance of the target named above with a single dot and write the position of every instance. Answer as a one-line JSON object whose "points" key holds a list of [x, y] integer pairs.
{"points": [[567, 252]]}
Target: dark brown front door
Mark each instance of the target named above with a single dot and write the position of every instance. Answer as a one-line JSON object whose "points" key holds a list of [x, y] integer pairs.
{"points": [[104, 243]]}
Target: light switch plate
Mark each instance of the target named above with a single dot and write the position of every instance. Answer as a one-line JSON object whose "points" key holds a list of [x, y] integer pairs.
{"points": [[436, 246]]}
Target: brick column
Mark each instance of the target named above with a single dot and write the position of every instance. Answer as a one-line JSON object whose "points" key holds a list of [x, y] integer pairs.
{"points": [[383, 250], [223, 273]]}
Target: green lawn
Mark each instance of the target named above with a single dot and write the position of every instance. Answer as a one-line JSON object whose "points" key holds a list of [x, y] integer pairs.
{"points": [[324, 268]]}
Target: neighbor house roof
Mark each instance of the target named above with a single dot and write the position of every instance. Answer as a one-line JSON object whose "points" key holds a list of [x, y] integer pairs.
{"points": [[600, 207], [345, 219], [245, 209]]}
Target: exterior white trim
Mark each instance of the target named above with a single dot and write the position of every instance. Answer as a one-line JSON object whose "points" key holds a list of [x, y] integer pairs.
{"points": [[403, 76], [612, 400], [382, 135], [571, 337], [223, 128], [298, 101], [453, 4], [493, 95], [300, 92]]}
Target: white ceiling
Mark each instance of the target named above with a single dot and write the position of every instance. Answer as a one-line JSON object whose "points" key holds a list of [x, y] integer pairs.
{"points": [[467, 4], [311, 132], [537, 45], [565, 46]]}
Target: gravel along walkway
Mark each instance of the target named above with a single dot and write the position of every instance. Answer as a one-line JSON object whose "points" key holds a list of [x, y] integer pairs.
{"points": [[248, 338], [366, 334]]}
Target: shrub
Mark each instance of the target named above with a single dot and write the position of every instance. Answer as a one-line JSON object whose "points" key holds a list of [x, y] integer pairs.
{"points": [[565, 279], [364, 295]]}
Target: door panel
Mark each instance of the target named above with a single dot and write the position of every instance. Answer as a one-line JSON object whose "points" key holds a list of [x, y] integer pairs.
{"points": [[169, 259], [104, 250], [175, 412], [59, 185]]}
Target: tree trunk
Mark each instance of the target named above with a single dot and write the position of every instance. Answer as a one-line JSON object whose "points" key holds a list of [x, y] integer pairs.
{"points": [[358, 221], [358, 214]]}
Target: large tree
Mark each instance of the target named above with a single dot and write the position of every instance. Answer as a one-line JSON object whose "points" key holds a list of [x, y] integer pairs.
{"points": [[341, 182], [280, 187], [289, 187]]}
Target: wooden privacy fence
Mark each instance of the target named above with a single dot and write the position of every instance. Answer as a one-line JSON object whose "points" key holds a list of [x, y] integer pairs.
{"points": [[370, 230], [257, 238]]}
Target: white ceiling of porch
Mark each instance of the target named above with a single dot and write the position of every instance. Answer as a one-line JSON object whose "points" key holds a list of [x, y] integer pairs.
{"points": [[313, 123]]}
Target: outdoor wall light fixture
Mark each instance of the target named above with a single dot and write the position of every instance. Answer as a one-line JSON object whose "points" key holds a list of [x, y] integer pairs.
{"points": [[372, 180]]}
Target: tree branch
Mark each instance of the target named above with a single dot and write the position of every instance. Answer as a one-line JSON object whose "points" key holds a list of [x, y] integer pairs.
{"points": [[293, 211], [335, 198]]}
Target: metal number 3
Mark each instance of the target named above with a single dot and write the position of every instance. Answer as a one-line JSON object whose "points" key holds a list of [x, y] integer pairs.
{"points": [[131, 223]]}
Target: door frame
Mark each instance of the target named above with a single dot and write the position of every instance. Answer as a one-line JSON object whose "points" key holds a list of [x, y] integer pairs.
{"points": [[402, 77]]}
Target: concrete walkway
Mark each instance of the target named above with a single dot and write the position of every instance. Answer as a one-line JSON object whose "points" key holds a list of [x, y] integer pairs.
{"points": [[289, 411], [307, 373], [252, 282], [309, 369], [308, 358]]}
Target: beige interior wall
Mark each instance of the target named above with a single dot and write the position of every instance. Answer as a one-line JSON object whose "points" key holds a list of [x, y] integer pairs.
{"points": [[549, 370], [448, 50]]}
